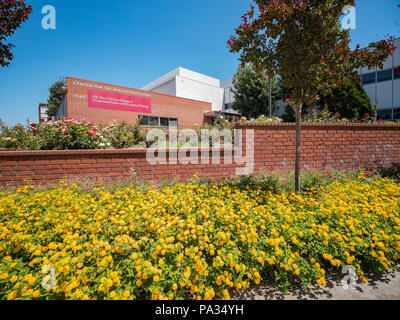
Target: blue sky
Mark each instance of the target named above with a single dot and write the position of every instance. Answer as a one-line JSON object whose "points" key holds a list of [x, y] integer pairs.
{"points": [[131, 43]]}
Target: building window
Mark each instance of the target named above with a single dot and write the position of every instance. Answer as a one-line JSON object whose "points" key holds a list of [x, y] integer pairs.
{"points": [[227, 106], [150, 121], [397, 72], [43, 116], [385, 75], [154, 121], [173, 123], [369, 78], [164, 122], [384, 114], [396, 114], [144, 120]]}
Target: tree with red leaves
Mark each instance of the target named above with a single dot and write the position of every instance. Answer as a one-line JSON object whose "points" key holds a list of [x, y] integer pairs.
{"points": [[12, 14], [302, 41]]}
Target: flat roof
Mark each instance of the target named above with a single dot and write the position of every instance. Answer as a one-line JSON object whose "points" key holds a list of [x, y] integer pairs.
{"points": [[185, 73], [138, 90]]}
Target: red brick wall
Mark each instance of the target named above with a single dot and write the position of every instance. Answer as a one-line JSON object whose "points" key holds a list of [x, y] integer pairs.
{"points": [[189, 112], [323, 146], [337, 146], [44, 167]]}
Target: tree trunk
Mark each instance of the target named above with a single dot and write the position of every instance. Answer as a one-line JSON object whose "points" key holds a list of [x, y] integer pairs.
{"points": [[298, 148], [270, 97]]}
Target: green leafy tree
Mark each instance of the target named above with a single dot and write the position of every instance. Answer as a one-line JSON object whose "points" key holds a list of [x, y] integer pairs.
{"points": [[349, 102], [12, 14], [57, 92], [251, 92], [284, 94], [302, 41], [290, 113]]}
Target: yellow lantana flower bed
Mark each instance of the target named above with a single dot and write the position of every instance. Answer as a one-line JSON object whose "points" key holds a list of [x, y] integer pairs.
{"points": [[190, 241]]}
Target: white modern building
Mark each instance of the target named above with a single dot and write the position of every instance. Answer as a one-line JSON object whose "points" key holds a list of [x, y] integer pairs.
{"points": [[229, 96], [43, 108], [383, 86], [188, 84]]}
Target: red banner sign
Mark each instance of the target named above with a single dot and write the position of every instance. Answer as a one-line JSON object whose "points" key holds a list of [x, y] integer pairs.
{"points": [[116, 101]]}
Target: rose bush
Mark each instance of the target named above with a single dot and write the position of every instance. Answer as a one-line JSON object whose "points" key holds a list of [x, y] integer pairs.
{"points": [[69, 134], [325, 116], [122, 136]]}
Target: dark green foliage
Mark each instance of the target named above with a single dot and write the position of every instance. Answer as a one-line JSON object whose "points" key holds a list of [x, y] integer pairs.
{"points": [[290, 113], [283, 181], [252, 93], [12, 14], [350, 102], [392, 172], [123, 136], [57, 92], [268, 182], [284, 94]]}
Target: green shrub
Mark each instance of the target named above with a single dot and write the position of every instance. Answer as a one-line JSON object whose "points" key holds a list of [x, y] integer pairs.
{"points": [[392, 172], [269, 182], [123, 136], [283, 181]]}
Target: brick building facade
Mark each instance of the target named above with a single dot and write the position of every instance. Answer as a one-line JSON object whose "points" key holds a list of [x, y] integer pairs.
{"points": [[103, 103]]}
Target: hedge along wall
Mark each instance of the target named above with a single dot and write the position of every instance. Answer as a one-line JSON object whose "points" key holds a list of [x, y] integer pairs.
{"points": [[324, 146]]}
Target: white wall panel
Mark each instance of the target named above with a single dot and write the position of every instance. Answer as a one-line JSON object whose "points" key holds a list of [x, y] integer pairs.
{"points": [[167, 88], [397, 93], [397, 53], [384, 95], [193, 89], [388, 64], [370, 89]]}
